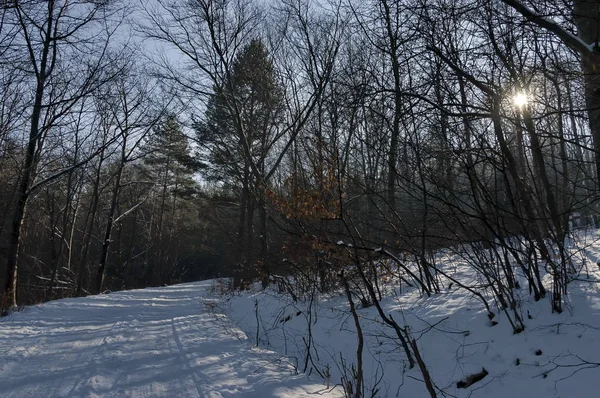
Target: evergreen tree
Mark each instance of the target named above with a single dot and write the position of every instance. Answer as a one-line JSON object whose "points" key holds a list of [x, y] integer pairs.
{"points": [[169, 161], [240, 129], [170, 166]]}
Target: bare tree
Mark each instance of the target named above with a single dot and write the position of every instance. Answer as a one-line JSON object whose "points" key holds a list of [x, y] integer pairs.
{"points": [[585, 18], [130, 108], [66, 56]]}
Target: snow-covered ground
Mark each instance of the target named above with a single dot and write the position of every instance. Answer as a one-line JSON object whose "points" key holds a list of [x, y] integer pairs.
{"points": [[189, 341], [160, 342], [557, 355]]}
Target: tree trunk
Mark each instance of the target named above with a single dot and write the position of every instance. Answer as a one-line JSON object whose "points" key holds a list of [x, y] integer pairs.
{"points": [[65, 222], [241, 238], [395, 133], [10, 287], [586, 14], [109, 226], [87, 234], [14, 245], [265, 271]]}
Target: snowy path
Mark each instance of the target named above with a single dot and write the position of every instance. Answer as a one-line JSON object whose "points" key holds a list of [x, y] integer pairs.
{"points": [[159, 342]]}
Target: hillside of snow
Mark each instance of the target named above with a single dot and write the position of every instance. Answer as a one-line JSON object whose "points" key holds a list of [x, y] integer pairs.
{"points": [[557, 355], [198, 340]]}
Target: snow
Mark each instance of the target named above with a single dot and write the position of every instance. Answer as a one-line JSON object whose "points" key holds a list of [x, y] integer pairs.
{"points": [[567, 37], [190, 341], [570, 37], [454, 335], [159, 342]]}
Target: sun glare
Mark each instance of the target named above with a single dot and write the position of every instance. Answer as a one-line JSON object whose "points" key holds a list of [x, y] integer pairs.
{"points": [[520, 100]]}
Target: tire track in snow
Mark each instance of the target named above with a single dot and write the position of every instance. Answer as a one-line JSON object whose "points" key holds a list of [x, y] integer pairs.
{"points": [[120, 345], [184, 360], [93, 358]]}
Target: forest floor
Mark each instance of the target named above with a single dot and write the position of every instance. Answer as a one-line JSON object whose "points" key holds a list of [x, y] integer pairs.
{"points": [[191, 341]]}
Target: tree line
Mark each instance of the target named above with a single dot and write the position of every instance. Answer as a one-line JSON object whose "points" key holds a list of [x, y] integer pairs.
{"points": [[292, 138]]}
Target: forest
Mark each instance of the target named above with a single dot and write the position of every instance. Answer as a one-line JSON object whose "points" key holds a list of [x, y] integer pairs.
{"points": [[156, 142]]}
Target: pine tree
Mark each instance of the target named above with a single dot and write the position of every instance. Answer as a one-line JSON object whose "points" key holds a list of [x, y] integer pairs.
{"points": [[240, 128], [169, 161], [171, 167]]}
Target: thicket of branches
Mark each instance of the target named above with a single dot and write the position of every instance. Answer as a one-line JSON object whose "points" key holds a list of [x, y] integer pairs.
{"points": [[259, 136]]}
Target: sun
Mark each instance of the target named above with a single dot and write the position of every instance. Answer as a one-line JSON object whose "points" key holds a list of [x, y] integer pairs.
{"points": [[520, 100]]}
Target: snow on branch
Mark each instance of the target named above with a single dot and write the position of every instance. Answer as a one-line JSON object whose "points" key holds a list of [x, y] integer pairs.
{"points": [[567, 37]]}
